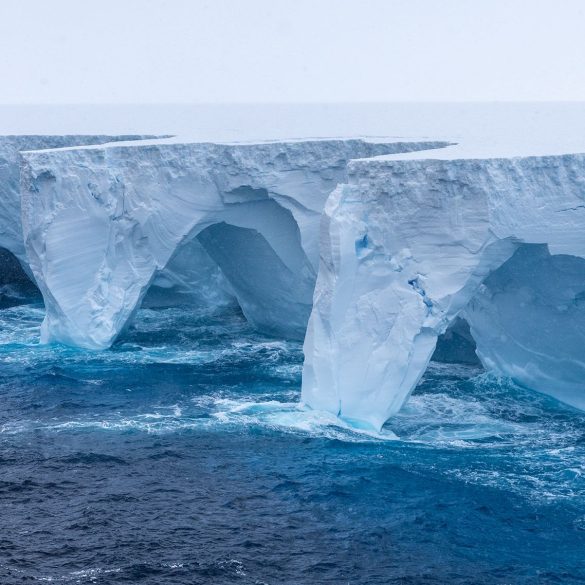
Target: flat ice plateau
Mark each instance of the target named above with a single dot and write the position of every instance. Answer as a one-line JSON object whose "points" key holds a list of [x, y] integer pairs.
{"points": [[380, 238]]}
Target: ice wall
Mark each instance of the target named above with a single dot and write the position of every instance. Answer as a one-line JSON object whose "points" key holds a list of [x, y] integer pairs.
{"points": [[101, 225], [10, 146], [407, 244]]}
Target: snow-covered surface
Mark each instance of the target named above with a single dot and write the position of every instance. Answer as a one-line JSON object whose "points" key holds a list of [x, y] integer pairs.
{"points": [[102, 223], [476, 148], [497, 126], [406, 244]]}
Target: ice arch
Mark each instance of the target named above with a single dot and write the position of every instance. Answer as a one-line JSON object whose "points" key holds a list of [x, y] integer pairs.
{"points": [[190, 278], [407, 244], [256, 247], [528, 321], [102, 223], [252, 257]]}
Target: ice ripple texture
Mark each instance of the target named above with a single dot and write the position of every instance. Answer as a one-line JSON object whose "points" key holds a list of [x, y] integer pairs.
{"points": [[183, 455]]}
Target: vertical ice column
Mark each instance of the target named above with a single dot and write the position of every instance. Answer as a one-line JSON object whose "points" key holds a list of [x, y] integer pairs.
{"points": [[381, 300]]}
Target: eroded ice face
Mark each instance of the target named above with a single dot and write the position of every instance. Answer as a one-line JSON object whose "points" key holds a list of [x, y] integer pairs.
{"points": [[103, 223], [409, 243]]}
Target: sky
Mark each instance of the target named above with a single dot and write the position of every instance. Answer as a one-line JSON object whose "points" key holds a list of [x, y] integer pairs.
{"points": [[242, 51]]}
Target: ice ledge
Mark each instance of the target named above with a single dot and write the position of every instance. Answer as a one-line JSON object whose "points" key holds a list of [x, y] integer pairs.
{"points": [[482, 149]]}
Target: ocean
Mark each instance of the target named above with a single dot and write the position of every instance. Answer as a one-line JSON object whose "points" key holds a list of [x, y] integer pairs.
{"points": [[183, 456]]}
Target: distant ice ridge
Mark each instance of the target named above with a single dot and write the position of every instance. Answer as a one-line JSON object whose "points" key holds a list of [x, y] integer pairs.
{"points": [[410, 242], [102, 224]]}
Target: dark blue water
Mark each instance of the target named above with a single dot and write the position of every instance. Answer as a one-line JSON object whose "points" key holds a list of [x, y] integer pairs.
{"points": [[182, 456]]}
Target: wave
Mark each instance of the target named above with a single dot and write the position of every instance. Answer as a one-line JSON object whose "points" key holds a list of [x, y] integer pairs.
{"points": [[218, 375]]}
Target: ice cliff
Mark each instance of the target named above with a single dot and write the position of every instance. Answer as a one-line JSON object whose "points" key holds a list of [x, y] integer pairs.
{"points": [[405, 240], [103, 224], [409, 243], [11, 237]]}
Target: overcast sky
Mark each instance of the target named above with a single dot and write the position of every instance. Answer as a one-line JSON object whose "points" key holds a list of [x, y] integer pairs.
{"points": [[162, 51]]}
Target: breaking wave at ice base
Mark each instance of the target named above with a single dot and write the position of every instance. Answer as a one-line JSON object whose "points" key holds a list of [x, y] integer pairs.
{"points": [[186, 450]]}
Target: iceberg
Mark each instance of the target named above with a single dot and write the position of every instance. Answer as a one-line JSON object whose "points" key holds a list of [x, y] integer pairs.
{"points": [[102, 224], [410, 243], [370, 250]]}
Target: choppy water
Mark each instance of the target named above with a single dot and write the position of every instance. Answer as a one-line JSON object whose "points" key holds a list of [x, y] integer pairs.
{"points": [[182, 456]]}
